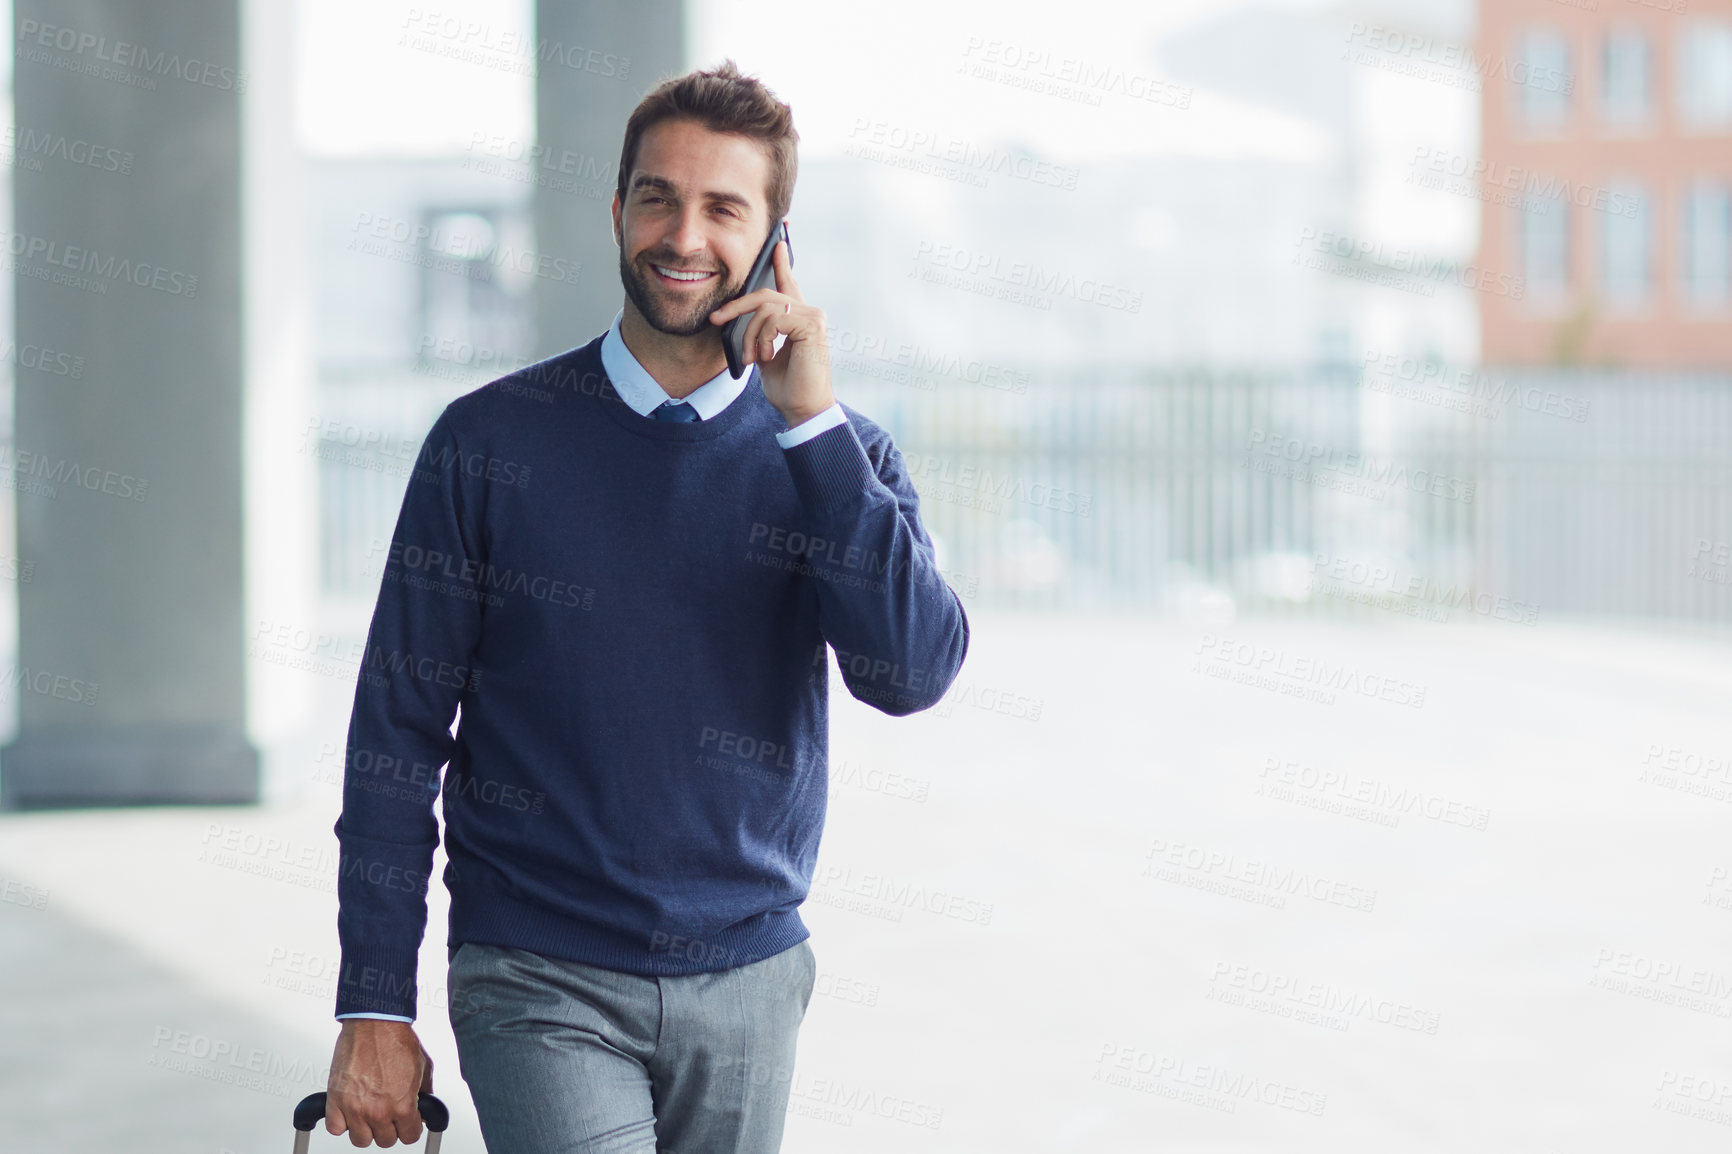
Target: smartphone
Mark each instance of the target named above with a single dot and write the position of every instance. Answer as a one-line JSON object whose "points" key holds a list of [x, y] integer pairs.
{"points": [[762, 276]]}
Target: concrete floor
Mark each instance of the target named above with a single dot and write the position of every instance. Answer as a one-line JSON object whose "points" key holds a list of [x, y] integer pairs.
{"points": [[1223, 916]]}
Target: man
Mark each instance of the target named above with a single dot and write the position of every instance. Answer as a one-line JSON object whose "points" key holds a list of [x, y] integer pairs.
{"points": [[622, 566]]}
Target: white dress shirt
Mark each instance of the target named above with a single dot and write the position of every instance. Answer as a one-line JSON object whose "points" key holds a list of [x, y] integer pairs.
{"points": [[639, 390]]}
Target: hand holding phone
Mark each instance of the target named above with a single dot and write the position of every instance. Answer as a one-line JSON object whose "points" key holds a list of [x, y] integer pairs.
{"points": [[762, 276]]}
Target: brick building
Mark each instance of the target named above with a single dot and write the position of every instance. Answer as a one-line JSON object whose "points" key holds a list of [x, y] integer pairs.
{"points": [[1607, 181]]}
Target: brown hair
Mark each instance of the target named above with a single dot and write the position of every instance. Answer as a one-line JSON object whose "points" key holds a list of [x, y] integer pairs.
{"points": [[722, 100]]}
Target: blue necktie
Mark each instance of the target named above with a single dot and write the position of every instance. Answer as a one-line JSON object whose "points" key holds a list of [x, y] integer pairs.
{"points": [[674, 411]]}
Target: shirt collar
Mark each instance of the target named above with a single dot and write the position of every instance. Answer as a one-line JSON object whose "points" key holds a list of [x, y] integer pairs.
{"points": [[638, 389]]}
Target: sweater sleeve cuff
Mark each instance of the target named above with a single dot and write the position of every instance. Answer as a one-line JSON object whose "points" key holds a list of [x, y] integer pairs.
{"points": [[377, 981], [812, 426], [831, 470]]}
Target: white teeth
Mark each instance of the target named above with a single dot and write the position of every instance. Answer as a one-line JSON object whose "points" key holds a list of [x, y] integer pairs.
{"points": [[674, 274]]}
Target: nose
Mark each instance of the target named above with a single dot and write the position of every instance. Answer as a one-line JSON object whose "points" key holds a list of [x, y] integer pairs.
{"points": [[687, 238]]}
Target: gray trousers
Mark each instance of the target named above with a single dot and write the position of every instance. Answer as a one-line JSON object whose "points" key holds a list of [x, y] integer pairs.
{"points": [[570, 1058]]}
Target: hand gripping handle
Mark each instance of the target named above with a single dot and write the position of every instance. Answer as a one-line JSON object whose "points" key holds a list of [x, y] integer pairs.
{"points": [[311, 1110]]}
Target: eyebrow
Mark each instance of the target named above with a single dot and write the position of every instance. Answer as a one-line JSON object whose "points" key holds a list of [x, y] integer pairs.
{"points": [[662, 184]]}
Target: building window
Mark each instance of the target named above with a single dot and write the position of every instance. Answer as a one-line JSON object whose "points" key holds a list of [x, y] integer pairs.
{"points": [[1705, 75], [1626, 251], [474, 292], [1707, 239], [1545, 247], [1627, 78], [1543, 80]]}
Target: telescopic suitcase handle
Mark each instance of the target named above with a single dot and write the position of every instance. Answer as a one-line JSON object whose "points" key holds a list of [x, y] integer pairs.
{"points": [[311, 1110]]}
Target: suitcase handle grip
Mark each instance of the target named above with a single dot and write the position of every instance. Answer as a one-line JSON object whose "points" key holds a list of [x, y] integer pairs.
{"points": [[308, 1112]]}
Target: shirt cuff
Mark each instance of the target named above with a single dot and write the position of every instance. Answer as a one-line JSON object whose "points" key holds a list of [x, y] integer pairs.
{"points": [[387, 1017], [812, 426]]}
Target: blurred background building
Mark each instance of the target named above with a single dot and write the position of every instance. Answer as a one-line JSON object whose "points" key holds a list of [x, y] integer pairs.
{"points": [[1608, 176]]}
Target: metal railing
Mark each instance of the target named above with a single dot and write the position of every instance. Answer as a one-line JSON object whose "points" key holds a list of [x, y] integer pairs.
{"points": [[1420, 490]]}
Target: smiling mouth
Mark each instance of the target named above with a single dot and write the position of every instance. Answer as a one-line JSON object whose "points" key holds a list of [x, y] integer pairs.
{"points": [[683, 276]]}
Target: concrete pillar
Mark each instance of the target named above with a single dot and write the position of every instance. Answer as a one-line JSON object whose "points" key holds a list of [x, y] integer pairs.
{"points": [[582, 99], [126, 253]]}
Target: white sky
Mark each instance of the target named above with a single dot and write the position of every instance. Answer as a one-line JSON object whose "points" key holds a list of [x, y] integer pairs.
{"points": [[363, 91]]}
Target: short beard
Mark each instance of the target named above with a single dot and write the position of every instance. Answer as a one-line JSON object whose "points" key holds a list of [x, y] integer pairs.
{"points": [[642, 295]]}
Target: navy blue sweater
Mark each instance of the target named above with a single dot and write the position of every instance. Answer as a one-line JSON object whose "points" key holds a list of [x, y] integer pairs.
{"points": [[631, 616]]}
